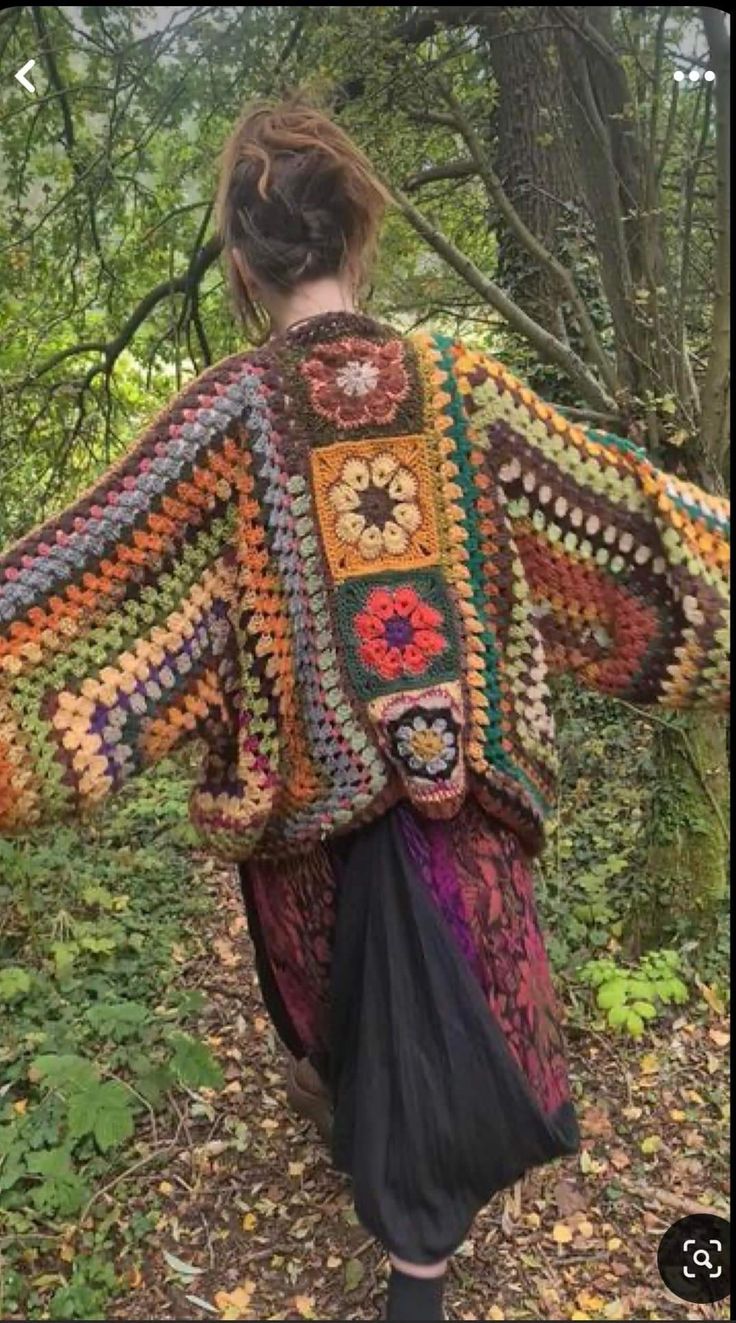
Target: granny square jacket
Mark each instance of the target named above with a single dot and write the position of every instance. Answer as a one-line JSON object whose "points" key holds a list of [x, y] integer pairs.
{"points": [[348, 563]]}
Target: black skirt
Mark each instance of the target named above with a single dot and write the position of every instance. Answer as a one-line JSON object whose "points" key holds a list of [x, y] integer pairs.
{"points": [[447, 1086]]}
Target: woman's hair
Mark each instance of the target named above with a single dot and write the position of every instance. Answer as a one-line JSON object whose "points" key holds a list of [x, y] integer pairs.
{"points": [[297, 199]]}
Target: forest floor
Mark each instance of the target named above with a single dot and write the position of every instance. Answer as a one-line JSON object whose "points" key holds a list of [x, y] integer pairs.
{"points": [[254, 1223]]}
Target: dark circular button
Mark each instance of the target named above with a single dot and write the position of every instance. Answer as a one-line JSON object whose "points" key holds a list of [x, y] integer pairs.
{"points": [[694, 1259]]}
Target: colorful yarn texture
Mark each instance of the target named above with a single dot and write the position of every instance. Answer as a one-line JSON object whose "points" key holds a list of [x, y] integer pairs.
{"points": [[347, 563]]}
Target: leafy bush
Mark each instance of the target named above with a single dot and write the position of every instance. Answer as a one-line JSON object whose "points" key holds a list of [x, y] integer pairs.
{"points": [[96, 1036], [634, 997]]}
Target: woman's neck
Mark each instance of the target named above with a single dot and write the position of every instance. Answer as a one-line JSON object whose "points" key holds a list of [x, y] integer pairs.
{"points": [[330, 294]]}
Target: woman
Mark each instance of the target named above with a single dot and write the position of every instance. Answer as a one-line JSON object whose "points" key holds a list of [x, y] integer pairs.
{"points": [[347, 561]]}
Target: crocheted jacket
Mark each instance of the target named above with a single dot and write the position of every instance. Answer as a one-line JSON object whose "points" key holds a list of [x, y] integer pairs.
{"points": [[348, 563]]}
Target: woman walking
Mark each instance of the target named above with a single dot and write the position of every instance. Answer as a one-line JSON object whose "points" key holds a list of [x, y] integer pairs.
{"points": [[347, 561]]}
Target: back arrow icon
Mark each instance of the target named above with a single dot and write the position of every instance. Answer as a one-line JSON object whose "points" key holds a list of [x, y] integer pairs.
{"points": [[21, 76]]}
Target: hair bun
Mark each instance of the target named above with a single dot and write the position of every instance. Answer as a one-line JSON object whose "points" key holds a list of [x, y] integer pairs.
{"points": [[296, 197]]}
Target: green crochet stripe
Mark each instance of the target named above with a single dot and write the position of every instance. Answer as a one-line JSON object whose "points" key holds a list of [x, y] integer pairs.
{"points": [[493, 748]]}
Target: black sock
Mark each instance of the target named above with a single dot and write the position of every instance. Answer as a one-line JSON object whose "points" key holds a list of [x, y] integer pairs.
{"points": [[414, 1299]]}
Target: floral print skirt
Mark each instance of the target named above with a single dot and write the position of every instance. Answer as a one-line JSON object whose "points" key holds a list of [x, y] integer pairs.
{"points": [[405, 960]]}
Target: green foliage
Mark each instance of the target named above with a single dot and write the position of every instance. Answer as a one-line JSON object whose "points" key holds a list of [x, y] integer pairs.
{"points": [[99, 1037], [636, 996]]}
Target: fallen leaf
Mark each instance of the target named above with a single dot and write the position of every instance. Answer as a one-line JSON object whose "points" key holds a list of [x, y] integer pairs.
{"points": [[178, 1265], [568, 1198], [304, 1306], [614, 1309], [561, 1233], [590, 1301], [718, 1037], [585, 1229], [494, 1312], [710, 996], [614, 1243], [200, 1303], [596, 1122], [250, 1222], [619, 1159], [234, 1304], [649, 1064], [651, 1144], [224, 950], [165, 1187], [354, 1272], [333, 1261], [296, 1168], [677, 1115], [20, 1106]]}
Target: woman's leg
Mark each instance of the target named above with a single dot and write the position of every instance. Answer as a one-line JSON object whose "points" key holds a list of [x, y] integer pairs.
{"points": [[416, 1291]]}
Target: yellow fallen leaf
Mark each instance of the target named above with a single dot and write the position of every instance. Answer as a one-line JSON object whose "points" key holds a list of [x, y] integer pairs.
{"points": [[533, 1220], [334, 1262], [632, 1113], [268, 1124], [649, 1064], [614, 1243], [20, 1106], [579, 1313], [250, 1221], [561, 1233], [710, 996], [719, 1038], [614, 1309], [677, 1115], [304, 1305], [651, 1144], [67, 1253], [585, 1230], [296, 1168], [234, 1304], [590, 1301], [495, 1313], [165, 1187]]}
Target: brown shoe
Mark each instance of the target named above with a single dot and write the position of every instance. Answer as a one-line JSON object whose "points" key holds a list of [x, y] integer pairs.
{"points": [[309, 1096]]}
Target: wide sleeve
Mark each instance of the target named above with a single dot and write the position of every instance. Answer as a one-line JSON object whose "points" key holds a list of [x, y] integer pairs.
{"points": [[627, 566], [117, 633]]}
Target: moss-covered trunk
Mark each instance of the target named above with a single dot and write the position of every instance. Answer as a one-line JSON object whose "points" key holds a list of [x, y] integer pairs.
{"points": [[685, 858]]}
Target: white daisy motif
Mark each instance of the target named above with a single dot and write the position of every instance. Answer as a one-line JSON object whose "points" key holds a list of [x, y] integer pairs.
{"points": [[356, 378], [427, 746]]}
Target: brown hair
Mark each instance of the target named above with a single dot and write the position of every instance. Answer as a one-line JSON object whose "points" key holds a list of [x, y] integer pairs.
{"points": [[297, 199]]}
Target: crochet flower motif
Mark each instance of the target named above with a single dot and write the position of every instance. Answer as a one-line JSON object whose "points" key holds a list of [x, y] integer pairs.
{"points": [[376, 506], [354, 382], [398, 633], [427, 742]]}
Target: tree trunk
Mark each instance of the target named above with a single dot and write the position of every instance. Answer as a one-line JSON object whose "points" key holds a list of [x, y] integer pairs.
{"points": [[536, 164], [686, 855]]}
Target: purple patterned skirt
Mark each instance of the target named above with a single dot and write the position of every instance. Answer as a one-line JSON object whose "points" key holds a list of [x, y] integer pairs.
{"points": [[405, 959]]}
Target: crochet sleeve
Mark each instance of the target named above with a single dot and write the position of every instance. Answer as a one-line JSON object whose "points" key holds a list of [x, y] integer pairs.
{"points": [[117, 640], [626, 566]]}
